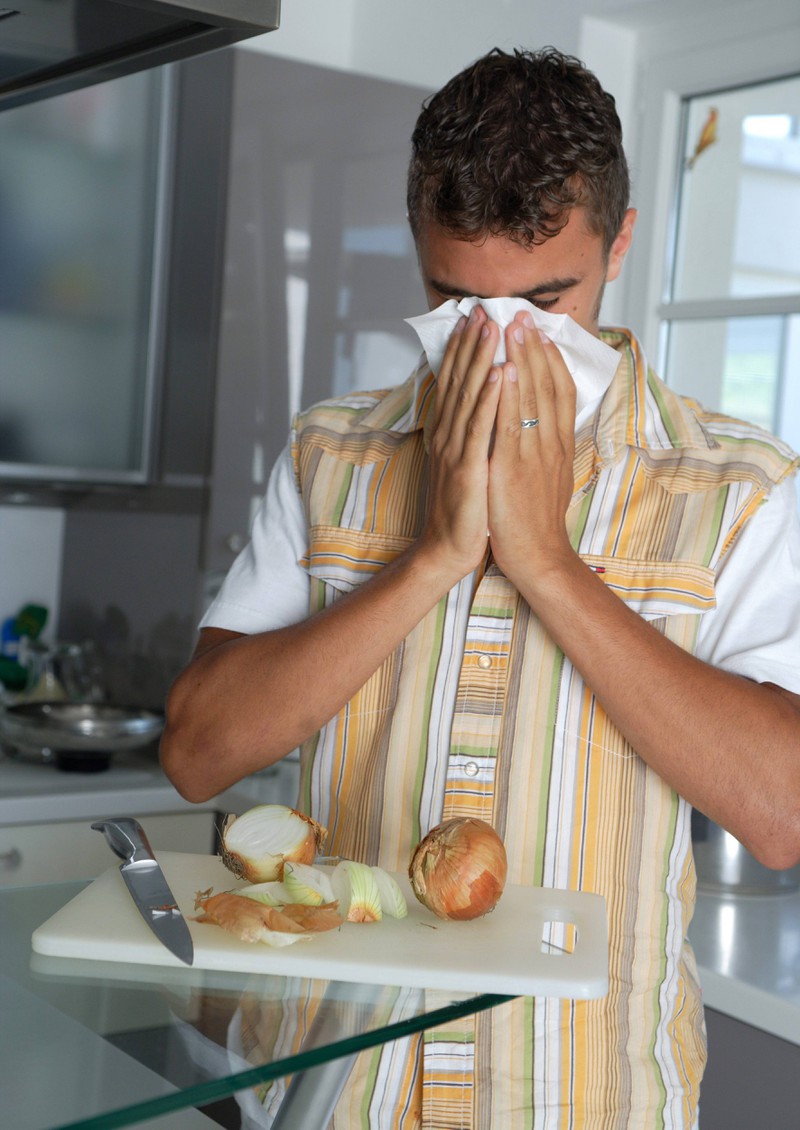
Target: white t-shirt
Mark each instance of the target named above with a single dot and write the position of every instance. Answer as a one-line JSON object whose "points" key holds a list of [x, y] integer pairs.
{"points": [[754, 630]]}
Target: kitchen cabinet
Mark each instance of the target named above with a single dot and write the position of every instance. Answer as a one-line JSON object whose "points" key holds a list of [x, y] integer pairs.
{"points": [[752, 1078], [320, 266], [71, 850], [83, 197]]}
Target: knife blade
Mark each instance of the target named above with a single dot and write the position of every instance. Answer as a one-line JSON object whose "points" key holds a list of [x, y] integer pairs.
{"points": [[149, 889]]}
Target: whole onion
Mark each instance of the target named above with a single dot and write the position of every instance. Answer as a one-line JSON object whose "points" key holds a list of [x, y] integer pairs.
{"points": [[459, 869]]}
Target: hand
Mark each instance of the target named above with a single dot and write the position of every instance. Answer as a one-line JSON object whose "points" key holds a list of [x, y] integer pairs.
{"points": [[467, 396], [531, 473]]}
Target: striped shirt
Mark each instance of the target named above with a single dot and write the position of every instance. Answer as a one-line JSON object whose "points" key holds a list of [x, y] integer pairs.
{"points": [[478, 713]]}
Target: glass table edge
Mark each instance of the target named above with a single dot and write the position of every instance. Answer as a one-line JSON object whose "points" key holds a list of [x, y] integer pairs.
{"points": [[213, 1090]]}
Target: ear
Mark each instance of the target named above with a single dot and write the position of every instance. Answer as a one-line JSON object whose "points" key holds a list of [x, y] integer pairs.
{"points": [[620, 246]]}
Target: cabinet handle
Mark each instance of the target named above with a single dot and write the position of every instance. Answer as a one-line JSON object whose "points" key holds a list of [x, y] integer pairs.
{"points": [[10, 860]]}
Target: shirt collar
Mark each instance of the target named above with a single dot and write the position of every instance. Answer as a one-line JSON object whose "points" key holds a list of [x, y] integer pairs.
{"points": [[639, 410], [407, 407]]}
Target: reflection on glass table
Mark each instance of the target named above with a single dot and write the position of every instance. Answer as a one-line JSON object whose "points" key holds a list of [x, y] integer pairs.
{"points": [[99, 1044]]}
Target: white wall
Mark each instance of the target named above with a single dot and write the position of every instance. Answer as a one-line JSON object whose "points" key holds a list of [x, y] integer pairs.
{"points": [[415, 41], [311, 31], [31, 543], [641, 50], [419, 43]]}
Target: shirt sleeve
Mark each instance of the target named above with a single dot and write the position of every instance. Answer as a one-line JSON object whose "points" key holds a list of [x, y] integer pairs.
{"points": [[754, 630], [267, 587]]}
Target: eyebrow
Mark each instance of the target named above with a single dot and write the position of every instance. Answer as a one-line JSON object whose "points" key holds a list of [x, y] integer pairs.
{"points": [[551, 286]]}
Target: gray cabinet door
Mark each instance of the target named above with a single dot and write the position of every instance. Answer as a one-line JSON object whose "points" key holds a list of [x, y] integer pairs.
{"points": [[82, 223], [320, 265]]}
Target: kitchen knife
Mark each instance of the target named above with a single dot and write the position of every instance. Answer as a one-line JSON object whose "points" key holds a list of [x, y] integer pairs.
{"points": [[147, 885]]}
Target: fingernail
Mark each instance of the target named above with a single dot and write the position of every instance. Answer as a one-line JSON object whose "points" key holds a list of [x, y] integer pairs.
{"points": [[462, 321], [511, 372], [484, 332], [519, 334], [473, 314], [494, 376], [527, 318], [544, 338]]}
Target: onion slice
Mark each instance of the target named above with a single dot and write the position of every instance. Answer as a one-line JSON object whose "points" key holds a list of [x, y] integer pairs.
{"points": [[256, 845], [392, 898], [356, 892], [307, 884], [273, 893]]}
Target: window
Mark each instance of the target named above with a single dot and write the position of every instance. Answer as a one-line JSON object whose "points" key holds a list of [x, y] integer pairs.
{"points": [[731, 319]]}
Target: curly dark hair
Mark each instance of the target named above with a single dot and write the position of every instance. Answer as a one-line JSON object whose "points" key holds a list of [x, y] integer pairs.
{"points": [[513, 143]]}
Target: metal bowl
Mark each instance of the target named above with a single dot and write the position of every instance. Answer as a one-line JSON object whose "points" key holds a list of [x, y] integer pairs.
{"points": [[77, 727]]}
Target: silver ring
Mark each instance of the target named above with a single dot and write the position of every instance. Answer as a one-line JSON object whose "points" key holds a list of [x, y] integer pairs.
{"points": [[529, 423]]}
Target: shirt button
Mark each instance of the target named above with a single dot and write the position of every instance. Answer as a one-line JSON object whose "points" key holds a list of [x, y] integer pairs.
{"points": [[471, 769], [485, 661]]}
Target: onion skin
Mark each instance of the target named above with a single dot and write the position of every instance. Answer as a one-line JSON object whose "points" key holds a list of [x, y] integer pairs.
{"points": [[249, 920], [458, 871]]}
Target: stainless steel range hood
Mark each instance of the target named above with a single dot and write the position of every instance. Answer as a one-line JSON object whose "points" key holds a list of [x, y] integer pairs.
{"points": [[50, 46]]}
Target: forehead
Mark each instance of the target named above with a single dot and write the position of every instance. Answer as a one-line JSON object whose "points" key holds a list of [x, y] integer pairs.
{"points": [[496, 266]]}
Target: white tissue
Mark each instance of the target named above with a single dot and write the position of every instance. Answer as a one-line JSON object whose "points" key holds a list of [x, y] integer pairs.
{"points": [[591, 363]]}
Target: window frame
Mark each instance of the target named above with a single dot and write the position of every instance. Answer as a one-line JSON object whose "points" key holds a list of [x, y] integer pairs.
{"points": [[766, 47]]}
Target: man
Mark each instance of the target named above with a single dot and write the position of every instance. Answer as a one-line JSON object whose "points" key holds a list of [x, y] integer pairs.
{"points": [[611, 654]]}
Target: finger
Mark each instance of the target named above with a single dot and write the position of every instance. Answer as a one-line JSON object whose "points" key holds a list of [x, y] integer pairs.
{"points": [[507, 441], [565, 390], [478, 434], [545, 380], [536, 390], [456, 364], [466, 390], [443, 377]]}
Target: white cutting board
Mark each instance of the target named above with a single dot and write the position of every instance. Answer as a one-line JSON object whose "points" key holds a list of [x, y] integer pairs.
{"points": [[499, 953]]}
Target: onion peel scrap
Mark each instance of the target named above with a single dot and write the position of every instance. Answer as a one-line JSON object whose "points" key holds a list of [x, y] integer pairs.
{"points": [[252, 921]]}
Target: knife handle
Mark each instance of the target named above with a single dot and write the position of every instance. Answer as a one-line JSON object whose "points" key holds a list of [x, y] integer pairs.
{"points": [[126, 838]]}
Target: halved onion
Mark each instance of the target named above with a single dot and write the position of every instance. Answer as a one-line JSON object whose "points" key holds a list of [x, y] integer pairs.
{"points": [[256, 844], [459, 869]]}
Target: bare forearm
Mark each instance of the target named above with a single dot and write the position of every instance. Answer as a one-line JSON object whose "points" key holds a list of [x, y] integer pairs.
{"points": [[729, 746], [246, 702]]}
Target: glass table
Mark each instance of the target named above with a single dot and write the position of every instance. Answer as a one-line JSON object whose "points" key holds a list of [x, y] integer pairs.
{"points": [[93, 1044]]}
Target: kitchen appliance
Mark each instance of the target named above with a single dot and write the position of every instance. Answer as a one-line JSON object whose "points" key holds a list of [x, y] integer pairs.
{"points": [[77, 736], [724, 865], [48, 47], [148, 888], [503, 952]]}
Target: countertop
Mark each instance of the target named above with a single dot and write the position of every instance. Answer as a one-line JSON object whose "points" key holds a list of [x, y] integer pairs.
{"points": [[747, 946], [33, 793], [748, 957]]}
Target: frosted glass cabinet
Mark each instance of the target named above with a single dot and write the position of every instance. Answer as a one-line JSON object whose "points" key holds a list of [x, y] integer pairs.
{"points": [[82, 216]]}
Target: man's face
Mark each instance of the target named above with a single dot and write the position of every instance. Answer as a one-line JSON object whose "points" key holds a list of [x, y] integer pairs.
{"points": [[565, 274]]}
